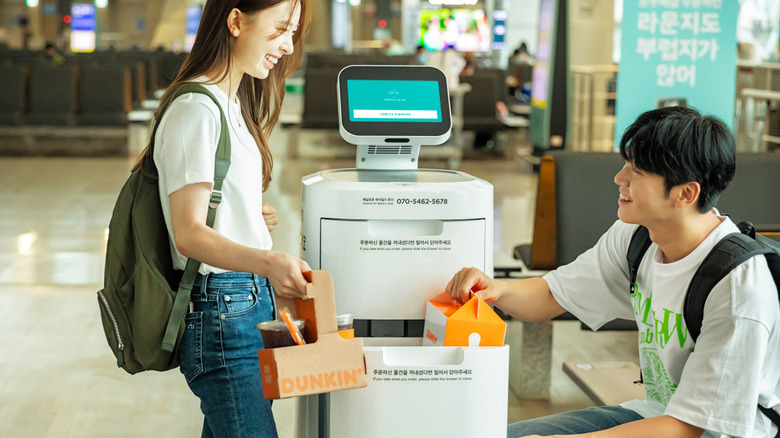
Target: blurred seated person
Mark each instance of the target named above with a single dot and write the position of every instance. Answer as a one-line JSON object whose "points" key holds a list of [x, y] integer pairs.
{"points": [[521, 56], [521, 64], [52, 55], [450, 62], [483, 139], [471, 64], [393, 48], [421, 54]]}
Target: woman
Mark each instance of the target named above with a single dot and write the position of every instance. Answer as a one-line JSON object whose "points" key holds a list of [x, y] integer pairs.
{"points": [[242, 53]]}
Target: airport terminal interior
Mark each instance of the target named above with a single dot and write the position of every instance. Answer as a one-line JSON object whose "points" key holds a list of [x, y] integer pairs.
{"points": [[79, 83]]}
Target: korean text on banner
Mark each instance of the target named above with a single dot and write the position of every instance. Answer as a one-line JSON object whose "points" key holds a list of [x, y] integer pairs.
{"points": [[675, 51]]}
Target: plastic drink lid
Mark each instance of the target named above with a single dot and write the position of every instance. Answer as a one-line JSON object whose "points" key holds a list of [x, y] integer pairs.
{"points": [[279, 325], [344, 318]]}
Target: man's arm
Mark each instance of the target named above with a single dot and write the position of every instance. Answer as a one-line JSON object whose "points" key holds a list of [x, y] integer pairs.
{"points": [[527, 300]]}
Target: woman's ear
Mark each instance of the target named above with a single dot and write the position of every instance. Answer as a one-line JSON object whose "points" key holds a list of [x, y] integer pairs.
{"points": [[234, 22]]}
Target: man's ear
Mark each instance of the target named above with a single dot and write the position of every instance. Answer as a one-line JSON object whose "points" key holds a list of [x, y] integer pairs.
{"points": [[234, 22], [687, 194]]}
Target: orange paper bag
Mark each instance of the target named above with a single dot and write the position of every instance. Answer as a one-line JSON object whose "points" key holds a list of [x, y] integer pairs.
{"points": [[449, 323]]}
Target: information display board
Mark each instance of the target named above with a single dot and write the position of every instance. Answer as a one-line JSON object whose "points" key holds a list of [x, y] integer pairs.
{"points": [[549, 96], [82, 28]]}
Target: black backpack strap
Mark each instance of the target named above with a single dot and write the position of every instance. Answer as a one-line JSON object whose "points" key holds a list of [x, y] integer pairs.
{"points": [[221, 166], [730, 252], [640, 241], [772, 415]]}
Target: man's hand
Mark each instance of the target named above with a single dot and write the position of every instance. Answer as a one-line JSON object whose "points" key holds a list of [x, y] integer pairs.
{"points": [[469, 280]]}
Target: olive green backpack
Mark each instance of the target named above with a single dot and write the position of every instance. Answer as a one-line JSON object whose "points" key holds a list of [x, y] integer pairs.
{"points": [[141, 306]]}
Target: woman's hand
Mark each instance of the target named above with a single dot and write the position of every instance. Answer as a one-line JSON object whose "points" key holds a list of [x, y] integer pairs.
{"points": [[285, 273], [473, 280], [269, 216]]}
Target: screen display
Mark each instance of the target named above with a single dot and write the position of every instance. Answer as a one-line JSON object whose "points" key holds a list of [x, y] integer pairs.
{"points": [[394, 101], [465, 30]]}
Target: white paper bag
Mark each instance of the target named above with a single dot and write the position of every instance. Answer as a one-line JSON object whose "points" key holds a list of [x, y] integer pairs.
{"points": [[452, 392]]}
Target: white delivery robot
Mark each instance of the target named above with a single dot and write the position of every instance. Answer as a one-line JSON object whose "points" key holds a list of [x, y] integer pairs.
{"points": [[393, 235], [390, 234]]}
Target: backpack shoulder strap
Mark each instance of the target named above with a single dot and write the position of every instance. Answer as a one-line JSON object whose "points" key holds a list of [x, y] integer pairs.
{"points": [[730, 252], [773, 416], [223, 149], [221, 166], [222, 156], [640, 241]]}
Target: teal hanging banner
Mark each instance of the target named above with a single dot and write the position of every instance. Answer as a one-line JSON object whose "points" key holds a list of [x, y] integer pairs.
{"points": [[677, 52]]}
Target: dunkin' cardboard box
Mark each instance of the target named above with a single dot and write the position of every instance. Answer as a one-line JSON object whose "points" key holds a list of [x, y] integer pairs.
{"points": [[451, 324], [327, 362]]}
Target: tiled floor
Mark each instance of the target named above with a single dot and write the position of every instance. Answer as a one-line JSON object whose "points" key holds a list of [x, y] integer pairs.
{"points": [[57, 375]]}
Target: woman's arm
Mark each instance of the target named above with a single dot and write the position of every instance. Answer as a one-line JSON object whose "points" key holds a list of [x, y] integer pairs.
{"points": [[193, 238]]}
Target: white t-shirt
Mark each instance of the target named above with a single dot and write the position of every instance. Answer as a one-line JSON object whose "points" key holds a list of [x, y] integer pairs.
{"points": [[184, 152], [715, 386]]}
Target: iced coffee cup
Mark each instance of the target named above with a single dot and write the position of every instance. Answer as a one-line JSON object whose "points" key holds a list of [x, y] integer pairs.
{"points": [[344, 322], [276, 334]]}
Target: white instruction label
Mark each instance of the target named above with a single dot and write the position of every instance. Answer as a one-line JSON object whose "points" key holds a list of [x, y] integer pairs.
{"points": [[405, 245], [420, 375]]}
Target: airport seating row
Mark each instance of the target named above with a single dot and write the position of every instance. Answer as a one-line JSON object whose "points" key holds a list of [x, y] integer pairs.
{"points": [[488, 86], [65, 95], [154, 69], [86, 89]]}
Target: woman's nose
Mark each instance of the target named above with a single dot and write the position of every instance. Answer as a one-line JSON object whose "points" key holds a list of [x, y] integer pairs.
{"points": [[287, 45]]}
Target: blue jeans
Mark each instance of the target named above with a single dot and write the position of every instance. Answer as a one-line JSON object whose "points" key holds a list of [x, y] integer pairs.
{"points": [[218, 354], [574, 422]]}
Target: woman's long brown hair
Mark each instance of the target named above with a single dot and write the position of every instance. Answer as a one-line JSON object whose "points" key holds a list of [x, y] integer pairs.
{"points": [[261, 100]]}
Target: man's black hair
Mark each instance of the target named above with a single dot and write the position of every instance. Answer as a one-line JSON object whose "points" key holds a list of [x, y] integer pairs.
{"points": [[682, 146]]}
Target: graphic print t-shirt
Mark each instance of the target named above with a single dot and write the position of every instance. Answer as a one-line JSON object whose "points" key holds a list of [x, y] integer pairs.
{"points": [[713, 387]]}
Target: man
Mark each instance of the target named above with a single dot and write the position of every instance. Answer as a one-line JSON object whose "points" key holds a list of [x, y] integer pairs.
{"points": [[677, 164]]}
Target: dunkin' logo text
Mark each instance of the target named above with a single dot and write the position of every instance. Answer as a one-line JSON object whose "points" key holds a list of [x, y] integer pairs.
{"points": [[431, 336], [310, 382]]}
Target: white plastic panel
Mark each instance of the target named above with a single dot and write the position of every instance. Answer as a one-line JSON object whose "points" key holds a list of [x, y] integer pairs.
{"points": [[389, 269], [452, 392]]}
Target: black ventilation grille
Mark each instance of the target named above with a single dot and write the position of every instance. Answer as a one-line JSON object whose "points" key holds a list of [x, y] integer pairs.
{"points": [[389, 150]]}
